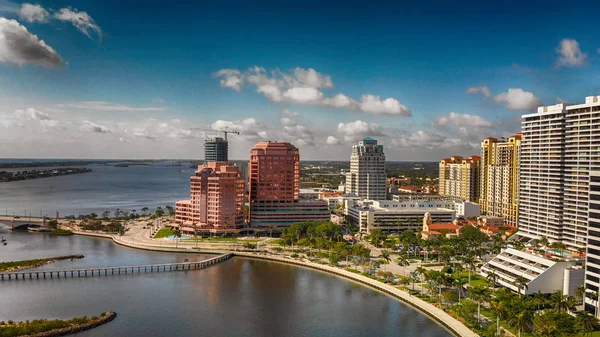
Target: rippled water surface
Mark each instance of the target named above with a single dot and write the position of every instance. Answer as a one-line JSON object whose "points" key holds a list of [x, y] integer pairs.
{"points": [[239, 297]]}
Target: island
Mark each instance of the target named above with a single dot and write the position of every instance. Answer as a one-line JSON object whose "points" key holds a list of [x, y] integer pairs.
{"points": [[7, 176], [55, 327], [25, 264]]}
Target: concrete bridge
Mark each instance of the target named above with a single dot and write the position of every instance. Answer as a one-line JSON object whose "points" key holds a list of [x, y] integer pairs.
{"points": [[107, 271], [25, 222], [20, 224]]}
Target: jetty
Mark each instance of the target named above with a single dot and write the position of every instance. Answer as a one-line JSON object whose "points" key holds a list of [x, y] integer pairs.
{"points": [[107, 271]]}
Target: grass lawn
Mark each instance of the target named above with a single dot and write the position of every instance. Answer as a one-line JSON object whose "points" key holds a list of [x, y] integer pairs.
{"points": [[163, 233], [476, 280]]}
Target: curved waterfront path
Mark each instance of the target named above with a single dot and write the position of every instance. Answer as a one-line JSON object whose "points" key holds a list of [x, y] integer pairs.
{"points": [[139, 239]]}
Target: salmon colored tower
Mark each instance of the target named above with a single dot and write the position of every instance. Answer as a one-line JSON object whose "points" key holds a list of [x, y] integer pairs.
{"points": [[216, 201], [274, 172], [275, 188]]}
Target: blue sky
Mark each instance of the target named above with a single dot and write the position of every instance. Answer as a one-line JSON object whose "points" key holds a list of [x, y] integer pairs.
{"points": [[128, 78]]}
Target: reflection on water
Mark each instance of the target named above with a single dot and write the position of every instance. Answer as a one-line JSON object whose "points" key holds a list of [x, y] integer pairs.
{"points": [[239, 297]]}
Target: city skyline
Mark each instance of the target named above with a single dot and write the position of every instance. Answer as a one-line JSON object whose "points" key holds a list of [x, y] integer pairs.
{"points": [[427, 86]]}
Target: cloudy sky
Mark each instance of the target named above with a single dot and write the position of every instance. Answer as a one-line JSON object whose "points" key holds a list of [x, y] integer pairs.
{"points": [[146, 79]]}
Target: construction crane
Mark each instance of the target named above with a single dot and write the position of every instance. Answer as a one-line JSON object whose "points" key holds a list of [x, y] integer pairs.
{"points": [[225, 132]]}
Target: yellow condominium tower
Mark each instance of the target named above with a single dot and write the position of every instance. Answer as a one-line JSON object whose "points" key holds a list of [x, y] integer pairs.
{"points": [[459, 177], [499, 177]]}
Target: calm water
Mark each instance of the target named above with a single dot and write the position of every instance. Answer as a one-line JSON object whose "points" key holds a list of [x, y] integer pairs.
{"points": [[239, 297], [106, 188]]}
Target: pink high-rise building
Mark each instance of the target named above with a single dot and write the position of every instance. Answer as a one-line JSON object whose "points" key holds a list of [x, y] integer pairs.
{"points": [[275, 186], [216, 201]]}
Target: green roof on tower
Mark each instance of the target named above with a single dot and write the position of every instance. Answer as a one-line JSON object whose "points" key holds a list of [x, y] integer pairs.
{"points": [[369, 139]]}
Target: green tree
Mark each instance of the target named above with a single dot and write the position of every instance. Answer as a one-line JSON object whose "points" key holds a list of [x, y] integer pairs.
{"points": [[521, 284], [377, 237], [414, 277], [492, 278], [539, 300], [586, 322], [459, 282], [53, 224], [385, 255], [479, 295], [522, 321], [559, 301]]}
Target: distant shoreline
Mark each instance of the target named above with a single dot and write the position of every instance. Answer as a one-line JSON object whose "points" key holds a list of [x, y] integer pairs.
{"points": [[7, 176]]}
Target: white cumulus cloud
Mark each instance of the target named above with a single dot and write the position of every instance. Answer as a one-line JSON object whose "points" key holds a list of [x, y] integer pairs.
{"points": [[33, 13], [463, 120], [570, 54], [93, 127], [19, 46], [518, 99], [389, 106], [331, 140], [304, 87], [304, 95], [353, 131], [514, 98], [81, 20], [484, 90]]}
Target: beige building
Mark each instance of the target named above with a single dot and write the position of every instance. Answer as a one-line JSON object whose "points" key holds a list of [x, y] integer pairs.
{"points": [[459, 177], [499, 177], [367, 178]]}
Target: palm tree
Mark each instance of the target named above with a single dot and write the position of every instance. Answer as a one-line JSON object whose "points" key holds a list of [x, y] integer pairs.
{"points": [[469, 261], [195, 225], [479, 294], [421, 271], [144, 210], [402, 261], [521, 321], [544, 242], [177, 236], [538, 299], [559, 301], [414, 278], [492, 277], [586, 322], [271, 231], [579, 293], [521, 284], [459, 282], [385, 255]]}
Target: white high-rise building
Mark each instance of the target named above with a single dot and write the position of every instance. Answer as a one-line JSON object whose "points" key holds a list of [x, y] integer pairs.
{"points": [[367, 171], [559, 149], [592, 257]]}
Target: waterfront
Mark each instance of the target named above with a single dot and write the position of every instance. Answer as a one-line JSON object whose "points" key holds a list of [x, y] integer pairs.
{"points": [[239, 297], [106, 188]]}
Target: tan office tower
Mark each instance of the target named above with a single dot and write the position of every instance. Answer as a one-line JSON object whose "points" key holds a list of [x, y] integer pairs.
{"points": [[459, 177], [367, 178], [499, 177]]}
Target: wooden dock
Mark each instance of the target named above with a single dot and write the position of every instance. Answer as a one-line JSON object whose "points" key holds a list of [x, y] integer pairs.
{"points": [[107, 271]]}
